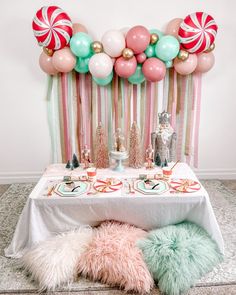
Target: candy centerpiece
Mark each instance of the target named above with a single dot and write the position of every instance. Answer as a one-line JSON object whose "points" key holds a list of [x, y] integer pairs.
{"points": [[119, 152]]}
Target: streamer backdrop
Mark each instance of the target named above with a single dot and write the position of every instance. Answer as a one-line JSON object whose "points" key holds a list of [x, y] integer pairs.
{"points": [[76, 104]]}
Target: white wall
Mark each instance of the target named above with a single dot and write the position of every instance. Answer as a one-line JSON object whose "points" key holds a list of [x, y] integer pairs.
{"points": [[24, 136]]}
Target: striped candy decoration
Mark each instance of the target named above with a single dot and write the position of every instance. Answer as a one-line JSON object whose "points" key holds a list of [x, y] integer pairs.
{"points": [[185, 185], [197, 32], [52, 27], [107, 186]]}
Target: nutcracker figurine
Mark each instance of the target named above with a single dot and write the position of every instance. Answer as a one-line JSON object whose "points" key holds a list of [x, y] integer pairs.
{"points": [[149, 157], [86, 157], [164, 140]]}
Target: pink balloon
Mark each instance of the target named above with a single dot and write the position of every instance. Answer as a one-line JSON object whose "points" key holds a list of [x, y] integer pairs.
{"points": [[64, 60], [154, 69], [77, 28], [205, 61], [187, 66], [46, 65], [125, 67], [173, 27], [137, 39], [141, 57]]}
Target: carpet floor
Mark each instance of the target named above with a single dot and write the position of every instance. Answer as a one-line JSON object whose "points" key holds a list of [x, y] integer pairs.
{"points": [[221, 281]]}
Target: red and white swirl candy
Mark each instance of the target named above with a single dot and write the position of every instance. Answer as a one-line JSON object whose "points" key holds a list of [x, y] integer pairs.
{"points": [[52, 27], [197, 32]]}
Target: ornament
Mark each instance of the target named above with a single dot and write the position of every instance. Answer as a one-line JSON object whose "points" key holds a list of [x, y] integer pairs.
{"points": [[197, 32], [48, 51], [52, 27], [211, 48], [97, 47], [127, 53], [183, 55], [154, 38]]}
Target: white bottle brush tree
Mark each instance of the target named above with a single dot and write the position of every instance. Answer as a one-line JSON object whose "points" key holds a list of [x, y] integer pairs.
{"points": [[135, 151], [101, 151]]}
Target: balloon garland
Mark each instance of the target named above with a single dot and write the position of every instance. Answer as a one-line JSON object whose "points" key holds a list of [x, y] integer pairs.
{"points": [[135, 54]]}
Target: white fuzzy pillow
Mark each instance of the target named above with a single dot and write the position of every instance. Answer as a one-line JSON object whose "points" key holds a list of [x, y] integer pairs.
{"points": [[54, 262]]}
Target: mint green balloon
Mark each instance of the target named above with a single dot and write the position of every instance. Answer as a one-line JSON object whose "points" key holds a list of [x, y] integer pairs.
{"points": [[155, 31], [80, 44], [150, 51], [167, 48], [104, 81], [137, 77], [82, 65]]}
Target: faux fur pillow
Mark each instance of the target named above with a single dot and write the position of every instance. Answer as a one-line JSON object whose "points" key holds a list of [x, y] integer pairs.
{"points": [[113, 258], [178, 255], [54, 262]]}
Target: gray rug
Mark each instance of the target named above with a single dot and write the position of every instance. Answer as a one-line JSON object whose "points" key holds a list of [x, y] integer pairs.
{"points": [[12, 203]]}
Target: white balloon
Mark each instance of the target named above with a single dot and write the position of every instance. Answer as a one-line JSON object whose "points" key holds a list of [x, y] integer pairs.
{"points": [[113, 43], [100, 65]]}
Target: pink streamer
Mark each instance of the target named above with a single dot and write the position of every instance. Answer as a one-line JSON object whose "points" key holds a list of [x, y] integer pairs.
{"points": [[189, 157], [174, 104], [106, 110], [152, 107], [134, 103], [197, 91], [116, 86], [126, 98], [99, 104], [88, 110], [181, 122], [147, 116], [64, 86]]}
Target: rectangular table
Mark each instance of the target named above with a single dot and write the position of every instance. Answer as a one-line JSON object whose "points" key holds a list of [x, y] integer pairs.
{"points": [[44, 217]]}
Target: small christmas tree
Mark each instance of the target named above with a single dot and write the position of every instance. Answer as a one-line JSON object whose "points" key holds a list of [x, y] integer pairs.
{"points": [[158, 160], [75, 161], [101, 150], [165, 163], [68, 164], [135, 152]]}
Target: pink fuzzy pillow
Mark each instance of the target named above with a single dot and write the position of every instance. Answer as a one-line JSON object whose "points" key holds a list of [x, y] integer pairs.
{"points": [[113, 258]]}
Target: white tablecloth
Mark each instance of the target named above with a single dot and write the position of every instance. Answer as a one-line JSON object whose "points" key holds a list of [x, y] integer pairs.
{"points": [[43, 217]]}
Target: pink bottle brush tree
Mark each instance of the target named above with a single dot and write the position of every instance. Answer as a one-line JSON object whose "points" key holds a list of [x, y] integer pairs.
{"points": [[135, 150], [101, 151]]}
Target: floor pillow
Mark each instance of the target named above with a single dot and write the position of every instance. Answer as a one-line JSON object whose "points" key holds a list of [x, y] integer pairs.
{"points": [[113, 258], [178, 255], [54, 262]]}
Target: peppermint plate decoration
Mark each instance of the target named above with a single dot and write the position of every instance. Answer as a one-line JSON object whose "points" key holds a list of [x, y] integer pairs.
{"points": [[185, 185], [108, 185]]}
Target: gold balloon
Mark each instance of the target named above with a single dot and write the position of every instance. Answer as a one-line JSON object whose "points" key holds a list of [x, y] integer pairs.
{"points": [[211, 48], [183, 55], [97, 47], [48, 51], [154, 38], [127, 53]]}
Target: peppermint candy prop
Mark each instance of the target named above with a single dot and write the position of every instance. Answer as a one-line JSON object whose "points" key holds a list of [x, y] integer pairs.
{"points": [[107, 186], [185, 185], [52, 27], [197, 32]]}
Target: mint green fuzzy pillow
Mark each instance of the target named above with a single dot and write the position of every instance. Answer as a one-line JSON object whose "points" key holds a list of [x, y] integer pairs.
{"points": [[179, 255]]}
